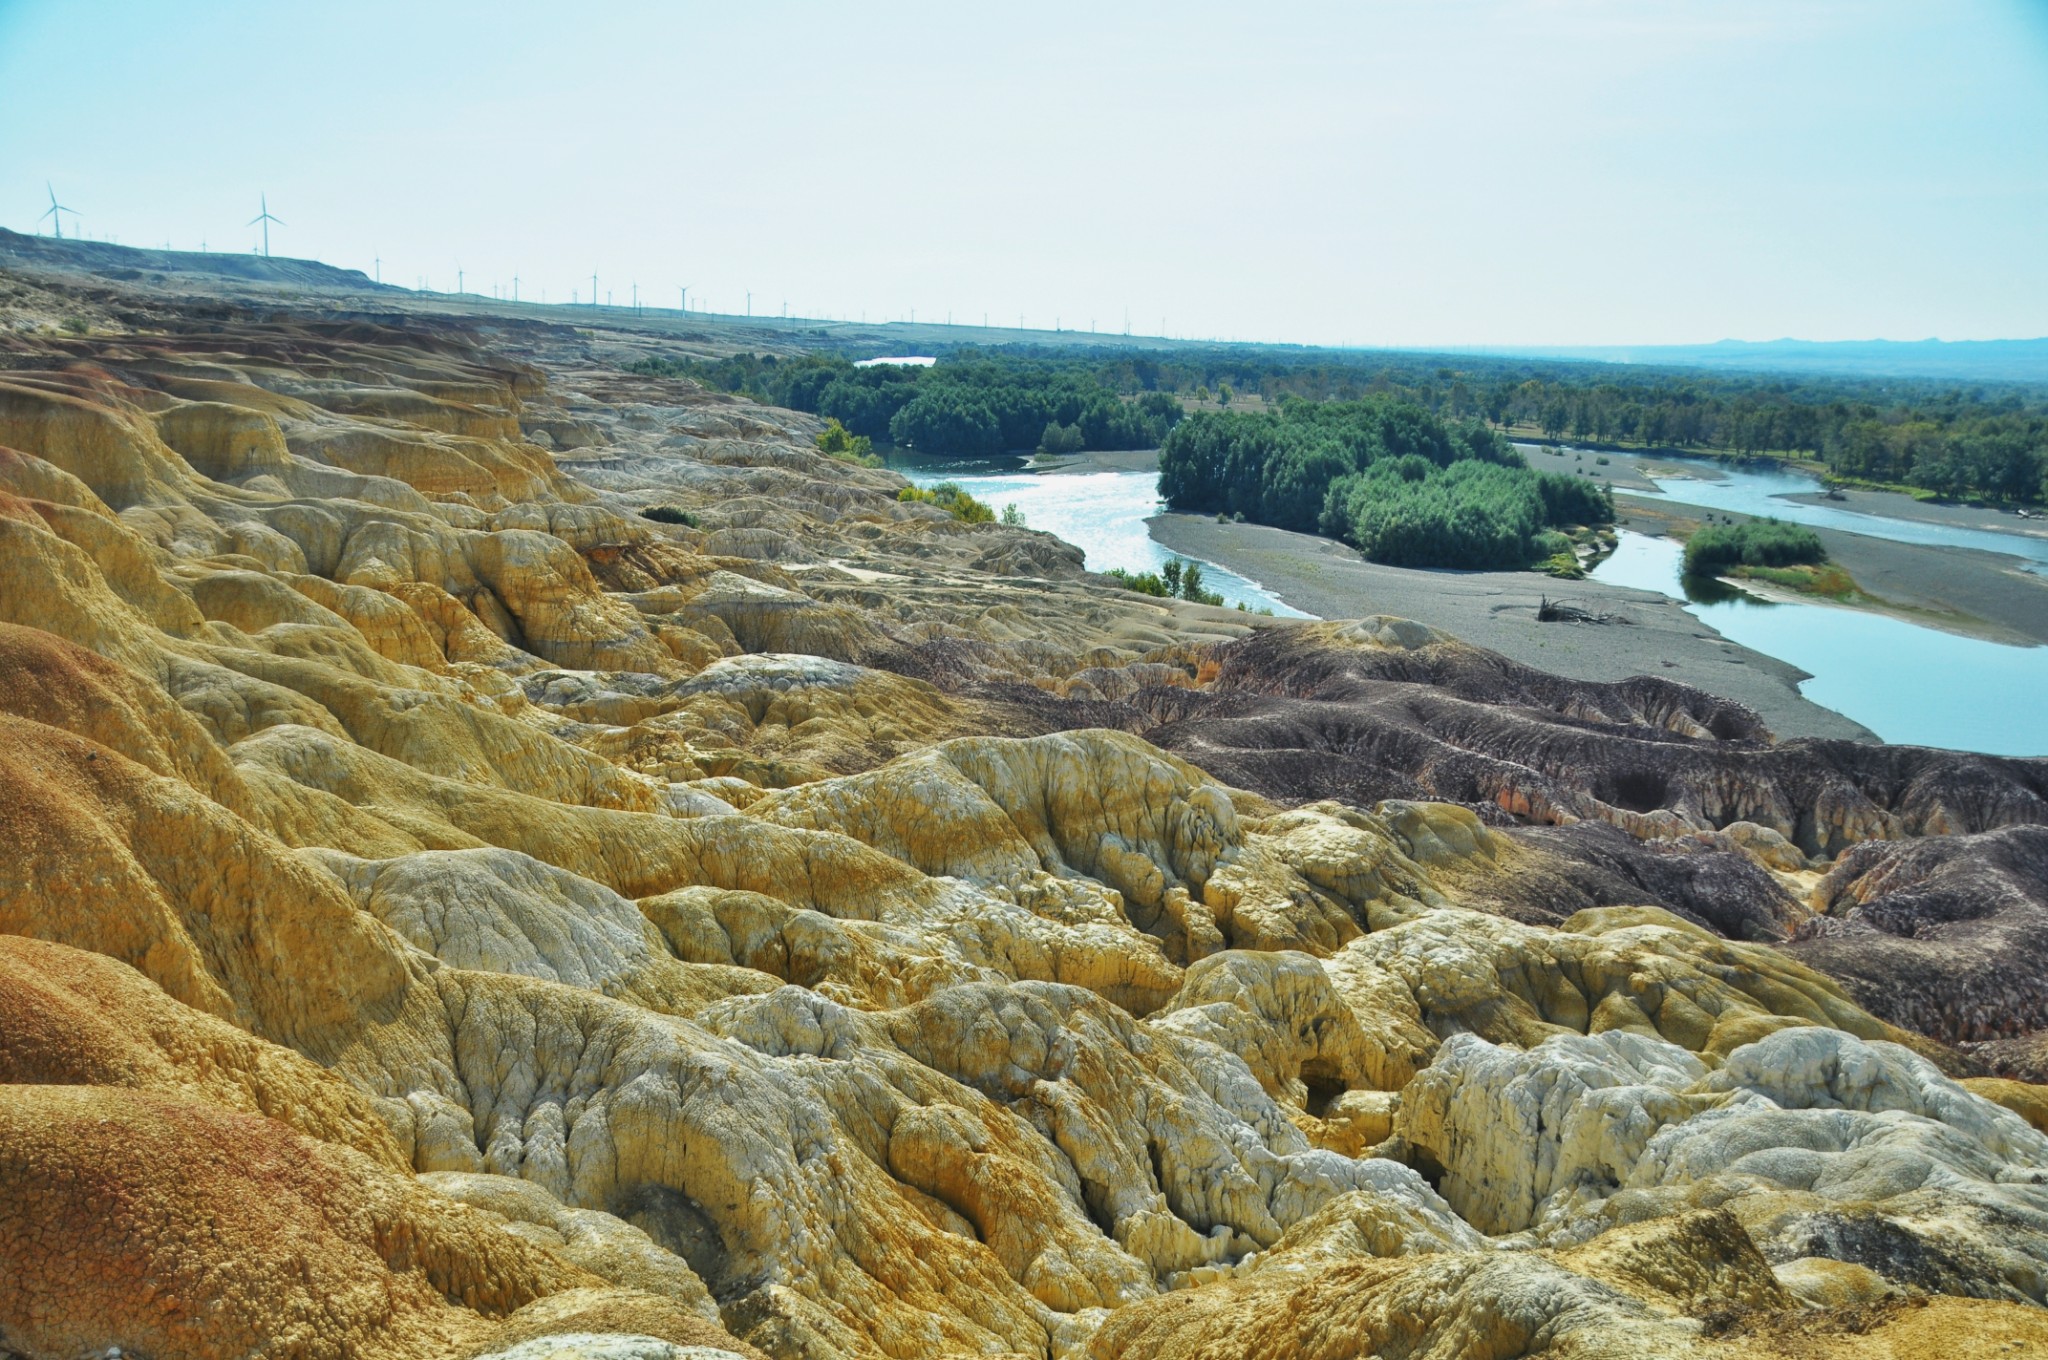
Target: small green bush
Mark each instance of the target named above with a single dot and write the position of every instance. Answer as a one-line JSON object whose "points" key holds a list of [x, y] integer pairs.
{"points": [[1144, 583], [669, 514], [953, 499], [1756, 543], [1177, 580], [835, 442]]}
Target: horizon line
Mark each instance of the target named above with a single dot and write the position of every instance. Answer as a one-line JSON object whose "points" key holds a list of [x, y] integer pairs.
{"points": [[1517, 348]]}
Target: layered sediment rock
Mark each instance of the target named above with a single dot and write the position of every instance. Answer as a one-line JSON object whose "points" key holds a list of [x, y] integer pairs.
{"points": [[447, 913], [1940, 934]]}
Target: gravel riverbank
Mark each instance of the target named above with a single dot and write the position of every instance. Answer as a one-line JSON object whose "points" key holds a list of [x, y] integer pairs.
{"points": [[1959, 590], [1497, 610]]}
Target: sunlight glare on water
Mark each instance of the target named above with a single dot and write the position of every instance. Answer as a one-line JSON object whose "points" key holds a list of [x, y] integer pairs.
{"points": [[1103, 514]]}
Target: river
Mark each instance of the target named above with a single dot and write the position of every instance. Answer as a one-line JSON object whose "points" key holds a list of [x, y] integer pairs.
{"points": [[1748, 491], [1102, 513], [1912, 685], [1907, 683]]}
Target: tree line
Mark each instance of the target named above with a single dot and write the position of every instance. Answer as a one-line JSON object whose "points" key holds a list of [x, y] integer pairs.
{"points": [[966, 406], [1952, 439], [1987, 440], [1396, 481]]}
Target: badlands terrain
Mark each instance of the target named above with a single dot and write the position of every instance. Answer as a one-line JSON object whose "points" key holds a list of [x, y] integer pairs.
{"points": [[444, 912]]}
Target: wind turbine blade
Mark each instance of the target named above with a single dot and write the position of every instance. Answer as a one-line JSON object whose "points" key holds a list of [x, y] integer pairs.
{"points": [[252, 221]]}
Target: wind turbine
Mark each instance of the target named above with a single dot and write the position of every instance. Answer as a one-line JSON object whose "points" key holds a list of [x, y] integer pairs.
{"points": [[55, 213], [593, 288], [683, 298], [266, 219]]}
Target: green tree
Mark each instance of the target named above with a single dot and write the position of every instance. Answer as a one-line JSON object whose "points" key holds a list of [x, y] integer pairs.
{"points": [[836, 442], [1060, 438], [1191, 585], [1979, 439]]}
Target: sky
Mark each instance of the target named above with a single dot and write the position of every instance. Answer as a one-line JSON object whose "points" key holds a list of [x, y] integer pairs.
{"points": [[1443, 172]]}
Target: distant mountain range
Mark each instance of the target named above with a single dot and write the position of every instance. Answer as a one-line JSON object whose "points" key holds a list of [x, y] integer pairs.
{"points": [[1959, 360], [1953, 360]]}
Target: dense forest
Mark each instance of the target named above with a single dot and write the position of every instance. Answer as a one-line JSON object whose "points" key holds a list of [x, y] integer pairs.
{"points": [[1401, 484], [1987, 440], [969, 406], [1950, 439]]}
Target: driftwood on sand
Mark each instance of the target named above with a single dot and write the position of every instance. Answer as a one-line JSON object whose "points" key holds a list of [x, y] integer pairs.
{"points": [[1557, 611]]}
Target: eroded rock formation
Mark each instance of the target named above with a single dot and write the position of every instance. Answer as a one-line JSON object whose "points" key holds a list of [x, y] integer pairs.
{"points": [[448, 913]]}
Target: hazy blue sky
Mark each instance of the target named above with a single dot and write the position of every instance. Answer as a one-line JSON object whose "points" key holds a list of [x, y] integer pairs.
{"points": [[1523, 171]]}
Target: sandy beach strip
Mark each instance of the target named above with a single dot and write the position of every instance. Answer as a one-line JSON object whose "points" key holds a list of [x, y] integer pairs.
{"points": [[1892, 505], [1107, 460]]}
